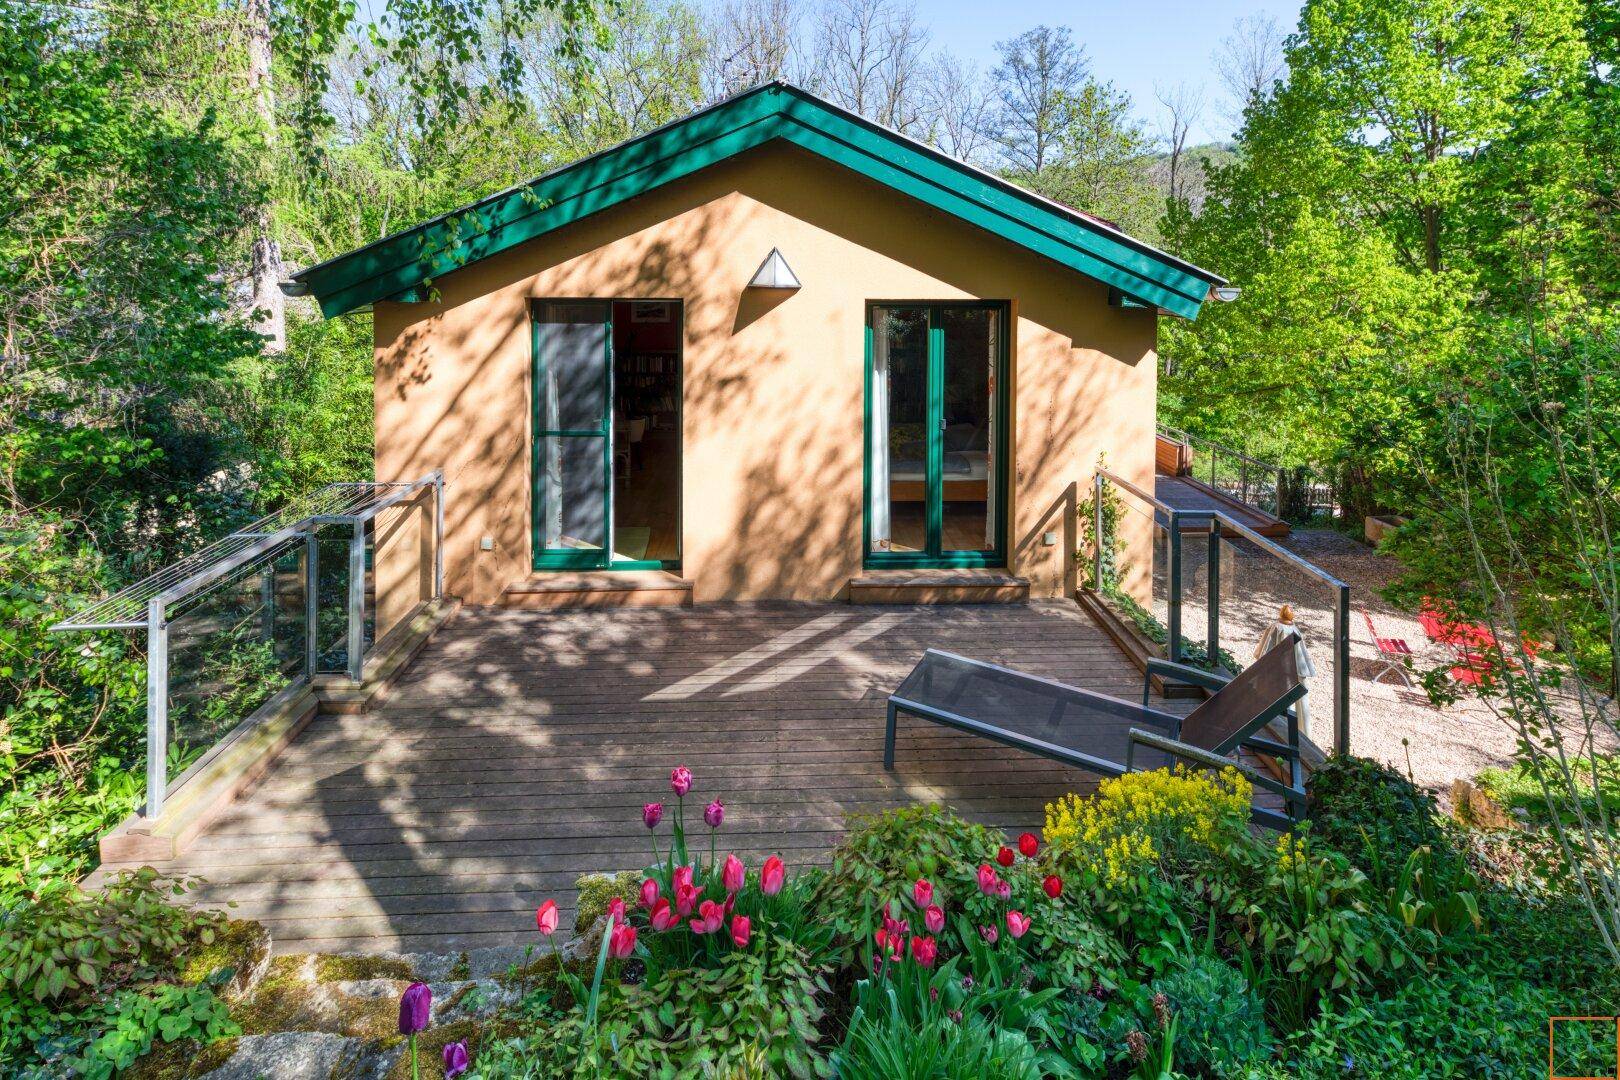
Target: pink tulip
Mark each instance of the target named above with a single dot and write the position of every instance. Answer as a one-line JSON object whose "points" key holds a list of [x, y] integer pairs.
{"points": [[732, 874], [1003, 889], [740, 927], [683, 876], [685, 897], [663, 917], [649, 893], [924, 950], [616, 911], [1017, 924], [987, 879], [680, 781], [651, 814], [922, 893], [771, 876], [989, 933], [934, 918], [714, 814], [710, 916], [545, 918], [622, 941]]}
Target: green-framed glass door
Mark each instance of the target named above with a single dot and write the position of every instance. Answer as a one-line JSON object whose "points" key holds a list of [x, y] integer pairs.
{"points": [[572, 398], [936, 434]]}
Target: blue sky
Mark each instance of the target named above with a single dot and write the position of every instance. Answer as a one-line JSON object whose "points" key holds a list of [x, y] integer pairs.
{"points": [[1131, 44]]}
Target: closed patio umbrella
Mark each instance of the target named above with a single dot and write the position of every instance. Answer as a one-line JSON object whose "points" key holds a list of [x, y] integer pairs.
{"points": [[1284, 626]]}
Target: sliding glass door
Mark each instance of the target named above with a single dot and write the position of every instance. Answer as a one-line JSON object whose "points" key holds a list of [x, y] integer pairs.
{"points": [[572, 396], [935, 434]]}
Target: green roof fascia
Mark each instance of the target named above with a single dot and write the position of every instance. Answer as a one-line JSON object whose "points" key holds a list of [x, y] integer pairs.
{"points": [[395, 268]]}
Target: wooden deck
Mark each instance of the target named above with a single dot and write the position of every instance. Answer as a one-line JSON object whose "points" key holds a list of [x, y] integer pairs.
{"points": [[516, 752], [1185, 493]]}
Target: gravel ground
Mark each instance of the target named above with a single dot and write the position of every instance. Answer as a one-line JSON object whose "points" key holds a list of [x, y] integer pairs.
{"points": [[1388, 721]]}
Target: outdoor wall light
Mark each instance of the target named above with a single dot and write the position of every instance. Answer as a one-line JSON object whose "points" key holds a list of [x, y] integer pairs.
{"points": [[1227, 293], [774, 273]]}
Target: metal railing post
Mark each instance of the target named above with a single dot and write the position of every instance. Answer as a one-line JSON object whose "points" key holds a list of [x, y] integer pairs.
{"points": [[1213, 630], [438, 533], [1175, 587], [312, 604], [267, 598], [1341, 671], [1097, 483], [157, 707], [357, 600]]}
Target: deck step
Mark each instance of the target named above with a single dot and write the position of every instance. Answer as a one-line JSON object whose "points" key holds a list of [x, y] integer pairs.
{"points": [[937, 587], [598, 589]]}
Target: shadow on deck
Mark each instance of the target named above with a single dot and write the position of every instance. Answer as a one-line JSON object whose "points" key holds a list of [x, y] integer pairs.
{"points": [[516, 752]]}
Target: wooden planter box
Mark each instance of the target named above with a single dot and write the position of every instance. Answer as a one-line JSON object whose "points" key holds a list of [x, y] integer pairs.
{"points": [[1378, 526], [1138, 648]]}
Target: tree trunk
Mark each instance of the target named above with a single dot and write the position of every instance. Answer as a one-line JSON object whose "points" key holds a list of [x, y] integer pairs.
{"points": [[270, 310]]}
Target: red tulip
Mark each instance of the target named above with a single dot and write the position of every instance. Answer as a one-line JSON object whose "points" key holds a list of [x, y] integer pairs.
{"points": [[924, 950], [934, 918], [545, 918], [683, 876], [680, 781], [987, 879], [922, 893], [1028, 845], [1005, 856], [1053, 886], [649, 893], [710, 916], [714, 814], [771, 876], [989, 933], [685, 897], [892, 944], [663, 917], [732, 874], [616, 911], [622, 941], [740, 927], [1017, 923]]}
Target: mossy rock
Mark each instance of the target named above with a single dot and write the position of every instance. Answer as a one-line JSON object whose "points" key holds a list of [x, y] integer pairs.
{"points": [[352, 968], [241, 945], [430, 1046], [462, 969], [595, 890], [291, 997]]}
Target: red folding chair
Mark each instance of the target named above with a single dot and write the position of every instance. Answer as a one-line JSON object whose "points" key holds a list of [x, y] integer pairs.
{"points": [[1393, 653]]}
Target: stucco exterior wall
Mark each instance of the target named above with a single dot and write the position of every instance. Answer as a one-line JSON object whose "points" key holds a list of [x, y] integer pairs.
{"points": [[772, 423]]}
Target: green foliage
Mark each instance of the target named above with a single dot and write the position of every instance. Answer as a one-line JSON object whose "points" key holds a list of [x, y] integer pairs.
{"points": [[1371, 814], [1516, 787], [1459, 1024], [128, 1024], [1220, 1024]]}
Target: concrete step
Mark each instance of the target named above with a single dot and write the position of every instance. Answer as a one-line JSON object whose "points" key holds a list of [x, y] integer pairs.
{"points": [[950, 586], [598, 588]]}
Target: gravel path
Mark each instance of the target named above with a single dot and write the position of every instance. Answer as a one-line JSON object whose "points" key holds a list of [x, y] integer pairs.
{"points": [[1388, 721]]}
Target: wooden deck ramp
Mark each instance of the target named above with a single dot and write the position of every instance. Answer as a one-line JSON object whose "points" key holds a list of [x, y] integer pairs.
{"points": [[518, 749]]}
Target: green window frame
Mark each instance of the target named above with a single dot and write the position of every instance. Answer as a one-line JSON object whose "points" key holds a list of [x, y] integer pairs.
{"points": [[542, 558], [935, 556]]}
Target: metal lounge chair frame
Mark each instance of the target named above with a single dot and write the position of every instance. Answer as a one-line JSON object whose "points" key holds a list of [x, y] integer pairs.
{"points": [[1215, 749]]}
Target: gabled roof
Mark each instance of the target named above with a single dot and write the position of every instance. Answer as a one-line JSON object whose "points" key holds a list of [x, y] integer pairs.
{"points": [[399, 267]]}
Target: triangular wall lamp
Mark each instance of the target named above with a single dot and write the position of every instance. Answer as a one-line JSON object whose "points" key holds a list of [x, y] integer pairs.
{"points": [[774, 273]]}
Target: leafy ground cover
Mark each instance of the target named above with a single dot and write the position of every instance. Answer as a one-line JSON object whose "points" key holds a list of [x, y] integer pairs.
{"points": [[1149, 931]]}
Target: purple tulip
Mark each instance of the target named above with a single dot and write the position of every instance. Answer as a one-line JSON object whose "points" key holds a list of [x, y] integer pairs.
{"points": [[714, 813], [651, 814], [415, 1005], [455, 1060]]}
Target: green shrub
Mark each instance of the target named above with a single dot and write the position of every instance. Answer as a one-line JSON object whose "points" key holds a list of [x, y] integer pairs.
{"points": [[1516, 787], [1221, 1026], [127, 1025], [1376, 818], [1461, 1024]]}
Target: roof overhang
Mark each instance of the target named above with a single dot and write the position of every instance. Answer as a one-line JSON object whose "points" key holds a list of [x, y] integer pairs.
{"points": [[402, 267]]}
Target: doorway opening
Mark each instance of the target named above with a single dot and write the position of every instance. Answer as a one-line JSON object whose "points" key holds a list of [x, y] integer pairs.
{"points": [[607, 435]]}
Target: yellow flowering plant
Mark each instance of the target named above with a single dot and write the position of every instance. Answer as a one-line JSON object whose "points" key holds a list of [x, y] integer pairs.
{"points": [[1137, 820]]}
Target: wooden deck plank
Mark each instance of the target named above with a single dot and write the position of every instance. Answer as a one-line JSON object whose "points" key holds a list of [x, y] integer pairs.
{"points": [[517, 750]]}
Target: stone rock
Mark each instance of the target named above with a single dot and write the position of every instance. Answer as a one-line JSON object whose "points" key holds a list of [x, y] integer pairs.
{"points": [[290, 1055]]}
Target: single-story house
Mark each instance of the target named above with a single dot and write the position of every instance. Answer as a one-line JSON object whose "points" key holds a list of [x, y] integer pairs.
{"points": [[769, 351]]}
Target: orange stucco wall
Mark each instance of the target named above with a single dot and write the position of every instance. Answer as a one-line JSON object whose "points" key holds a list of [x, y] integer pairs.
{"points": [[772, 425]]}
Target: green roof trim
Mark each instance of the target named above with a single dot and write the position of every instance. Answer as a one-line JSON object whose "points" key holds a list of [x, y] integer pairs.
{"points": [[399, 267]]}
